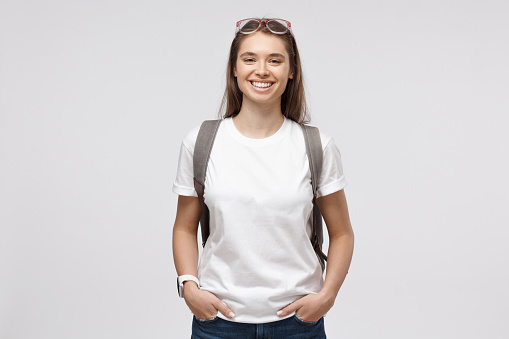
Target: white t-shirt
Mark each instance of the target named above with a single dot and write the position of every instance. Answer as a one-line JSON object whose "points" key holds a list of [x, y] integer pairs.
{"points": [[258, 257]]}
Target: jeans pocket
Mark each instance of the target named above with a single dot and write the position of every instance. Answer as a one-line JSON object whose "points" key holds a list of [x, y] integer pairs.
{"points": [[304, 321], [206, 320]]}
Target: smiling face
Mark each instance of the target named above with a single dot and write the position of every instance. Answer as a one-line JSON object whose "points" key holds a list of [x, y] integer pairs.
{"points": [[262, 68]]}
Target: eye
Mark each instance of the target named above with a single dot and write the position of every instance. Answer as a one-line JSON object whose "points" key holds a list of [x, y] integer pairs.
{"points": [[274, 61], [249, 60]]}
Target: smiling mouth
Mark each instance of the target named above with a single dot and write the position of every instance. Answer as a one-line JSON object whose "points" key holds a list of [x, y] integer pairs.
{"points": [[261, 84]]}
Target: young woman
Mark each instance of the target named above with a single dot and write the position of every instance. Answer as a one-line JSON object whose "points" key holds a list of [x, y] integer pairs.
{"points": [[258, 275]]}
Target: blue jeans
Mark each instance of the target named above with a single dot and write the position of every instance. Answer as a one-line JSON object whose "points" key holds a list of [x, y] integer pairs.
{"points": [[289, 328]]}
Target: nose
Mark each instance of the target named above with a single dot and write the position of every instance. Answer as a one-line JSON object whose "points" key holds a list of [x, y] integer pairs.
{"points": [[262, 70]]}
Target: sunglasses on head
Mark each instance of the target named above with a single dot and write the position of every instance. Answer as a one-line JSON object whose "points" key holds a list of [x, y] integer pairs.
{"points": [[251, 25]]}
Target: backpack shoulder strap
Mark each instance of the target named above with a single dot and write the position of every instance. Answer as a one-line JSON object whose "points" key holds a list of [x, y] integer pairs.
{"points": [[315, 157], [314, 152], [202, 150]]}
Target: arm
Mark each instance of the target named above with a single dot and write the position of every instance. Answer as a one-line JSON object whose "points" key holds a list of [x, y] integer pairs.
{"points": [[203, 304], [341, 239], [185, 244]]}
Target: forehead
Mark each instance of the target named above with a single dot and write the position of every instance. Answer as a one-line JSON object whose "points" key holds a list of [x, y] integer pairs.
{"points": [[261, 43]]}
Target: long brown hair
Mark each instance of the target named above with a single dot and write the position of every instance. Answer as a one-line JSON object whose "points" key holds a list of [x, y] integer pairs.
{"points": [[293, 100]]}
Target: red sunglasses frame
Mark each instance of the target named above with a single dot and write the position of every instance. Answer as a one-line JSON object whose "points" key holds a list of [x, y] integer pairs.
{"points": [[260, 21]]}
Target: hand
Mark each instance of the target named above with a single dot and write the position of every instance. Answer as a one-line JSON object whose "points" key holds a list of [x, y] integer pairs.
{"points": [[204, 304], [309, 308]]}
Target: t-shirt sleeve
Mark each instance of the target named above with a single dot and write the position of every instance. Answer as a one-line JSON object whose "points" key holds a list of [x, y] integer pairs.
{"points": [[332, 178], [184, 180]]}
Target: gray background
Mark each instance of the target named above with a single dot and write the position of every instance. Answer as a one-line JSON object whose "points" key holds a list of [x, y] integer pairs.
{"points": [[96, 96]]}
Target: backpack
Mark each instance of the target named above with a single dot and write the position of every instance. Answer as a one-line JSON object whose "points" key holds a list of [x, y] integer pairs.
{"points": [[202, 150]]}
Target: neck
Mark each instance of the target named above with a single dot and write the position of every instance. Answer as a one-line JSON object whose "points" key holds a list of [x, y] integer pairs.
{"points": [[257, 121]]}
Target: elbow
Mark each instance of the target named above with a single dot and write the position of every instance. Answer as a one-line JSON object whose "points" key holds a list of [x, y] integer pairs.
{"points": [[347, 236]]}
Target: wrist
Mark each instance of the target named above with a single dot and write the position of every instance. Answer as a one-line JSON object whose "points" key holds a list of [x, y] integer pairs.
{"points": [[189, 287], [328, 296]]}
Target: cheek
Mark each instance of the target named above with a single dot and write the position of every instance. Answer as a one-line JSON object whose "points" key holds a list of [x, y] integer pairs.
{"points": [[289, 70], [240, 72], [237, 69], [285, 75]]}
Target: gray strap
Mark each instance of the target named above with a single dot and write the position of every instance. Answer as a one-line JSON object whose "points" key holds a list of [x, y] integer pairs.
{"points": [[315, 157], [314, 151], [202, 150], [203, 147]]}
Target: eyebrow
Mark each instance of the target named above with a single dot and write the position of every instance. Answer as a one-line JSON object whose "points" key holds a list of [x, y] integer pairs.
{"points": [[279, 55]]}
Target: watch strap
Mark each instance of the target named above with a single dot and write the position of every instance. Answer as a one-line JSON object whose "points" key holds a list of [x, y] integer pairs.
{"points": [[180, 283]]}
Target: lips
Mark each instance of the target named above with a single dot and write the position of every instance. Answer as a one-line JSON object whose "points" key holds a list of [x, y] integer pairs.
{"points": [[261, 86]]}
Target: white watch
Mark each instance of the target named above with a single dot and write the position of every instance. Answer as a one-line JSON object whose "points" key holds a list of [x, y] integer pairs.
{"points": [[180, 283]]}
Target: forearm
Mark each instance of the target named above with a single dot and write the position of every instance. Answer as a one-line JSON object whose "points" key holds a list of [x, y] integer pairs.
{"points": [[185, 251], [339, 258]]}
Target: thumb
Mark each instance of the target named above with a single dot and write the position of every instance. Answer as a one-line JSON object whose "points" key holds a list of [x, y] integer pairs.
{"points": [[288, 309], [223, 308]]}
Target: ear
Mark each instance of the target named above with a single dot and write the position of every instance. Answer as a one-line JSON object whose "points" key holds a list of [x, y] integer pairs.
{"points": [[234, 71], [291, 75]]}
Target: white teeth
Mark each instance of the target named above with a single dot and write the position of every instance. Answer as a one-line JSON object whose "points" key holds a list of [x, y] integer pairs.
{"points": [[261, 84]]}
